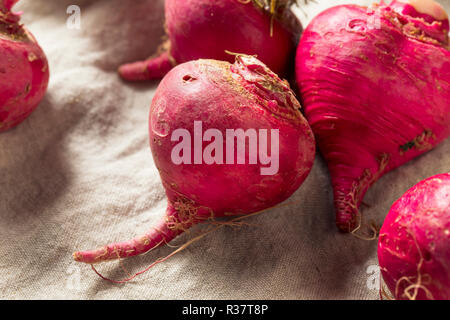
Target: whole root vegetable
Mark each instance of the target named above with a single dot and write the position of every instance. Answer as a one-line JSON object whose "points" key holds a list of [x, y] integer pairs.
{"points": [[414, 243], [206, 29], [375, 85], [245, 95], [24, 70]]}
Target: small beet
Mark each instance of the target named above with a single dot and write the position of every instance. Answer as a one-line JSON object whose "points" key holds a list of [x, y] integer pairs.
{"points": [[375, 86], [222, 96], [414, 243], [206, 29], [24, 71]]}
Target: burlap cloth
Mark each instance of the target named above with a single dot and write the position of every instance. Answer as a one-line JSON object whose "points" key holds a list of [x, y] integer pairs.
{"points": [[79, 173]]}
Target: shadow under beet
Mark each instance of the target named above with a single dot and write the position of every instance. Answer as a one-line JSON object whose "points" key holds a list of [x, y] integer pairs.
{"points": [[296, 246], [34, 175], [291, 252], [33, 169], [123, 31]]}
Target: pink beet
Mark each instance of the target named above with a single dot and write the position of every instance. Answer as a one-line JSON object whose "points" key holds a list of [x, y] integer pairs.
{"points": [[206, 29], [244, 95], [24, 70], [375, 85], [414, 244]]}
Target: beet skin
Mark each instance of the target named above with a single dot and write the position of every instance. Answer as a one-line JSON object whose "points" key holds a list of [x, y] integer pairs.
{"points": [[375, 86], [24, 70], [414, 244], [206, 29], [244, 95]]}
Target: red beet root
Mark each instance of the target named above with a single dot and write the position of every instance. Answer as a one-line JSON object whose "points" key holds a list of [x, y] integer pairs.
{"points": [[24, 70], [206, 29], [245, 95], [414, 244], [375, 85]]}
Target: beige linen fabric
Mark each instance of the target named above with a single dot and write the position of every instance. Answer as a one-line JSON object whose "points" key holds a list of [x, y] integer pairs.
{"points": [[79, 173]]}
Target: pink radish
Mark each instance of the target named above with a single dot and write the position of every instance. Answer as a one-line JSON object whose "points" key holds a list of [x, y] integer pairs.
{"points": [[375, 85], [414, 244], [206, 29], [245, 95], [24, 70]]}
